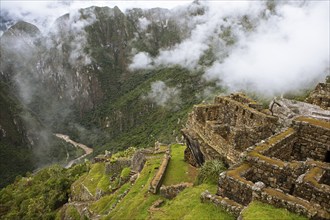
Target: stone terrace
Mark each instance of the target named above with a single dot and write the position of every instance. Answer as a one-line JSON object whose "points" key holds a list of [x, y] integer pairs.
{"points": [[290, 169], [225, 129]]}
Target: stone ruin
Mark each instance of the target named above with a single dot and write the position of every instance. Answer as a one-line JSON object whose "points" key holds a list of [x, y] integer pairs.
{"points": [[280, 157], [225, 129]]}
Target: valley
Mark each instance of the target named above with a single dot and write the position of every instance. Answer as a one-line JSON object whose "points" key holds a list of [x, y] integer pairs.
{"points": [[75, 144], [198, 110]]}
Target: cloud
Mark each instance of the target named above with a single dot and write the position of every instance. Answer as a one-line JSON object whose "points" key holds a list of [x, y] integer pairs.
{"points": [[43, 13], [143, 23], [141, 60], [286, 52], [276, 50], [206, 28], [164, 95]]}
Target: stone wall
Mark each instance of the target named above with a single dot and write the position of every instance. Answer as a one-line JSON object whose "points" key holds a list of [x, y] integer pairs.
{"points": [[292, 203], [228, 127], [309, 187], [115, 167], [172, 191], [227, 204], [282, 147], [233, 186], [300, 186], [159, 176], [138, 161], [314, 139]]}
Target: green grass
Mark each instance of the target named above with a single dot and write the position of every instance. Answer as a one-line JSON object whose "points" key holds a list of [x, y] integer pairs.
{"points": [[178, 170], [187, 205], [72, 213], [125, 173], [94, 179], [259, 210], [136, 203], [103, 205]]}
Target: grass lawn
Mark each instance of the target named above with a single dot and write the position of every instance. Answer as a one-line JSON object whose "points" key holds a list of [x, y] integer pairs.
{"points": [[103, 205], [178, 170], [259, 210], [187, 205], [136, 203]]}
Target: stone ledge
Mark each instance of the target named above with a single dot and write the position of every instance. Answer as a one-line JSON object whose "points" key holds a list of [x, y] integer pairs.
{"points": [[172, 191], [227, 204], [158, 178]]}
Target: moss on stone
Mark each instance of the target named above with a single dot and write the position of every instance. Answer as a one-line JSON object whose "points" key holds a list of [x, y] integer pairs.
{"points": [[314, 122], [238, 172], [312, 175]]}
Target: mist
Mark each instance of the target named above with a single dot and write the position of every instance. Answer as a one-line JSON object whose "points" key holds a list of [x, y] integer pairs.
{"points": [[163, 95], [254, 46], [44, 13]]}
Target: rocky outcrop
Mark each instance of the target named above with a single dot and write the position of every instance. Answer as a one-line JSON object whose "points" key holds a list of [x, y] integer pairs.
{"points": [[320, 96], [138, 161], [286, 110]]}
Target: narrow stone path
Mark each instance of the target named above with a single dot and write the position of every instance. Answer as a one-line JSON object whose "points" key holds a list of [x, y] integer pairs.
{"points": [[87, 150]]}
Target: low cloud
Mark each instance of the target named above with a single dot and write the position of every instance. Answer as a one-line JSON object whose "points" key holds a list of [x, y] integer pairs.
{"points": [[143, 23], [44, 13], [254, 46], [286, 52], [141, 60], [164, 95]]}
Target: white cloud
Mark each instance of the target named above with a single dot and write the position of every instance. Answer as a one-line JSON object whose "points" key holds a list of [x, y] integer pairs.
{"points": [[286, 52], [141, 60], [43, 13], [206, 29], [144, 23], [164, 95]]}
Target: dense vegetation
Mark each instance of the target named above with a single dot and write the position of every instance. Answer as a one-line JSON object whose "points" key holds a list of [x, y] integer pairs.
{"points": [[209, 172], [38, 196]]}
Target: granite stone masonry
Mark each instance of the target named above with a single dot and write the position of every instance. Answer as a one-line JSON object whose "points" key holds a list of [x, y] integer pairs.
{"points": [[288, 168], [225, 129]]}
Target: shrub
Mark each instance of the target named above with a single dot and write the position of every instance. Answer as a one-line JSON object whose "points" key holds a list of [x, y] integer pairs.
{"points": [[125, 173], [209, 172]]}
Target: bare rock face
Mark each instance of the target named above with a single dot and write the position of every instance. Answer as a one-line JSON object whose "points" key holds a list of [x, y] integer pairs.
{"points": [[286, 110], [321, 96], [223, 130]]}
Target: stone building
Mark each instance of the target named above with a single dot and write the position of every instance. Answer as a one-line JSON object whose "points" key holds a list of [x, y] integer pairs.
{"points": [[225, 129], [287, 168]]}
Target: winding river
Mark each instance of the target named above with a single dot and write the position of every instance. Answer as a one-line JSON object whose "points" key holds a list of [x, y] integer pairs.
{"points": [[87, 150]]}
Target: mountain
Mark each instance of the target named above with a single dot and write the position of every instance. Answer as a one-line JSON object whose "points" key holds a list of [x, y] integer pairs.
{"points": [[108, 79]]}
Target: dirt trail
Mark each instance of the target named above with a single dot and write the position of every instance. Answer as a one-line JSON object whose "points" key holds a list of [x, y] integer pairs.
{"points": [[82, 146]]}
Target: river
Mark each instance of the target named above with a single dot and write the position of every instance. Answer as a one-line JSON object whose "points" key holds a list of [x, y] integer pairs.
{"points": [[87, 150]]}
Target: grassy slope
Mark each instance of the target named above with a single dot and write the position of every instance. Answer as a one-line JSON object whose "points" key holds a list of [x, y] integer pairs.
{"points": [[136, 203], [143, 121], [103, 205], [178, 170], [258, 210], [187, 205], [95, 179]]}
